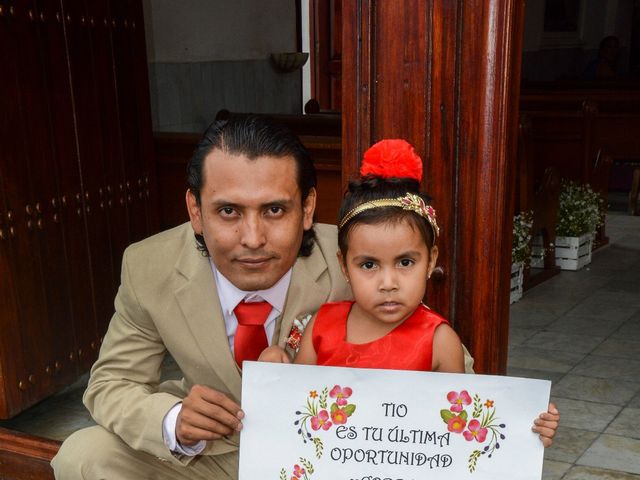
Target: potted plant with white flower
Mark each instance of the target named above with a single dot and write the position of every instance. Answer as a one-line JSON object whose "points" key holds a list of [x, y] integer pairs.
{"points": [[520, 252], [581, 213]]}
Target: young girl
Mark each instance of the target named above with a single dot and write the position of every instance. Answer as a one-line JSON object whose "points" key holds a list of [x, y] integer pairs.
{"points": [[386, 234]]}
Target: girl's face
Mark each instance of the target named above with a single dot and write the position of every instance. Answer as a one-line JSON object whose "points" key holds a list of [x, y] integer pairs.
{"points": [[388, 265]]}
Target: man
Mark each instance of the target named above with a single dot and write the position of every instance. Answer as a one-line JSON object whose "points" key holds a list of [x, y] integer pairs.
{"points": [[251, 200]]}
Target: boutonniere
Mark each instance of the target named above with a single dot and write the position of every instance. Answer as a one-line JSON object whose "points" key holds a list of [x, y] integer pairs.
{"points": [[297, 329]]}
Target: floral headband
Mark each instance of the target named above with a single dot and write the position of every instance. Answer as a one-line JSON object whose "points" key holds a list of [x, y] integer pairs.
{"points": [[388, 159], [410, 201]]}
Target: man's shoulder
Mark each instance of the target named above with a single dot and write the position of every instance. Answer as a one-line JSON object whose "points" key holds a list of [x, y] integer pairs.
{"points": [[326, 236], [163, 245]]}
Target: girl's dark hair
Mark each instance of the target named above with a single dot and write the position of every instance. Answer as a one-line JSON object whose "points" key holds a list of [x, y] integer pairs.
{"points": [[253, 136], [374, 188]]}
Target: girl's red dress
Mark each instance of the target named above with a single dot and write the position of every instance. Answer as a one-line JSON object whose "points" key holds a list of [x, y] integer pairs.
{"points": [[409, 346]]}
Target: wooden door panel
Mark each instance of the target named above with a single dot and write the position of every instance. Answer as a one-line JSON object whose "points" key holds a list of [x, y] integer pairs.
{"points": [[326, 53], [12, 368], [400, 67], [57, 326], [24, 249], [101, 162], [440, 163], [91, 163], [123, 54], [100, 15], [145, 189], [66, 208], [61, 162]]}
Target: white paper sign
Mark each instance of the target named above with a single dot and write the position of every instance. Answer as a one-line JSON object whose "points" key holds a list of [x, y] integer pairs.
{"points": [[328, 423]]}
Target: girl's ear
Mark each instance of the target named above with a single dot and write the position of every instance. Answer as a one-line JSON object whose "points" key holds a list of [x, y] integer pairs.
{"points": [[433, 258], [343, 267]]}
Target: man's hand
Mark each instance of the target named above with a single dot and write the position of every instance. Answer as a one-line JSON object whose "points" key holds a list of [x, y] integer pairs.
{"points": [[207, 414], [546, 425]]}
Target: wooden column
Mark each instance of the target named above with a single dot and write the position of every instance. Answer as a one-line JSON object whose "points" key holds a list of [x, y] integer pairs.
{"points": [[444, 75]]}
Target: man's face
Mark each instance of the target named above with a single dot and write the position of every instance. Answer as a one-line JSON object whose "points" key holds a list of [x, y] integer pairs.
{"points": [[251, 216]]}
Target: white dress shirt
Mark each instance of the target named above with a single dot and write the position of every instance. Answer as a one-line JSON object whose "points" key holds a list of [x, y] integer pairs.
{"points": [[230, 296]]}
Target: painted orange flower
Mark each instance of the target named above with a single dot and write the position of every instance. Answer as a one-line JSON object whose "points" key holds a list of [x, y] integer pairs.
{"points": [[488, 403], [339, 416], [456, 424], [313, 394]]}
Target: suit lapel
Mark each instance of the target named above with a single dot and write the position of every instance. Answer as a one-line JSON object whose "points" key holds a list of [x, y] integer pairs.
{"points": [[199, 302], [306, 293]]}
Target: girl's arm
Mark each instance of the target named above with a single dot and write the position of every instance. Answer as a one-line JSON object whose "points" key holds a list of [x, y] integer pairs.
{"points": [[274, 354], [307, 354], [447, 353]]}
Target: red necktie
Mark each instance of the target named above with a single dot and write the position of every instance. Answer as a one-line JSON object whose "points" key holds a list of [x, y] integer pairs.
{"points": [[250, 338]]}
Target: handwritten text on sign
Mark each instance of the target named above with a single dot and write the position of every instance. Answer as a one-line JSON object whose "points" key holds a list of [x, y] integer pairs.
{"points": [[319, 423]]}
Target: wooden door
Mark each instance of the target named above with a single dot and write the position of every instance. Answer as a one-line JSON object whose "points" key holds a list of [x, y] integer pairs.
{"points": [[86, 92], [62, 172], [325, 18], [113, 212], [26, 155], [444, 75], [135, 114], [12, 368]]}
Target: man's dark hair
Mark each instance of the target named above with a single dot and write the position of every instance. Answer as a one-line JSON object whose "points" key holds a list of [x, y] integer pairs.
{"points": [[253, 136]]}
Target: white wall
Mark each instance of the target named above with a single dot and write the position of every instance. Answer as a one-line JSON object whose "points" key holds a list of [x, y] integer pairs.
{"points": [[208, 55], [209, 30]]}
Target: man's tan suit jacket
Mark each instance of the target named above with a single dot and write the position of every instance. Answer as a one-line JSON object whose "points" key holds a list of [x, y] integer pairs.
{"points": [[168, 301]]}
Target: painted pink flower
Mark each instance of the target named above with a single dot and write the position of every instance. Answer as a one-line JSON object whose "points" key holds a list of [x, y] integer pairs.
{"points": [[321, 421], [456, 424], [339, 416], [457, 400], [340, 394], [475, 431], [298, 471]]}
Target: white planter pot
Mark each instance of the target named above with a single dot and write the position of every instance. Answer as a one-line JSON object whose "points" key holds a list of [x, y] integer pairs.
{"points": [[573, 253], [515, 293], [537, 252]]}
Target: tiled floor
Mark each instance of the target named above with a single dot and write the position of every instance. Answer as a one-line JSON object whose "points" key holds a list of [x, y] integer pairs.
{"points": [[581, 330]]}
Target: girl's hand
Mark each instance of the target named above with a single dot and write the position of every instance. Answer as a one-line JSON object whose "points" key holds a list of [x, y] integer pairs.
{"points": [[546, 425], [274, 354]]}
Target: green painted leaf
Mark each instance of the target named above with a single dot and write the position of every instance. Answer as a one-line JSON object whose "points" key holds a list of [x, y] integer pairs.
{"points": [[349, 409], [463, 415], [334, 407], [446, 415]]}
